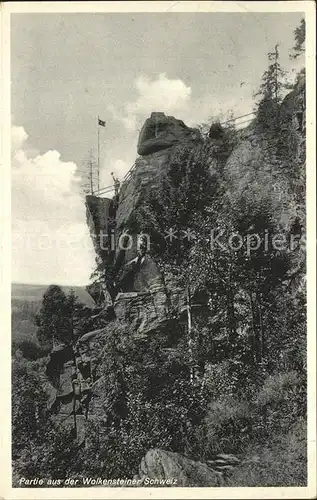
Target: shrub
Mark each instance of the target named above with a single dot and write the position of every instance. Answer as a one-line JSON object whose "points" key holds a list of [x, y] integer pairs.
{"points": [[281, 463], [228, 423], [30, 350], [279, 403]]}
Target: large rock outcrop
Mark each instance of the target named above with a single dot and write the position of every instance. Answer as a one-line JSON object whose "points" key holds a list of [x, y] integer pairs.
{"points": [[100, 214], [70, 373], [139, 292], [158, 138], [162, 132], [176, 470], [139, 295]]}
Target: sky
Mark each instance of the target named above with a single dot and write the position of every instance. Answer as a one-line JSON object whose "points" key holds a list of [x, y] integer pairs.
{"points": [[68, 69]]}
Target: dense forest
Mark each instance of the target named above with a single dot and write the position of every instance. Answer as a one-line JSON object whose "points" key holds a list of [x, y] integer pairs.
{"points": [[233, 380]]}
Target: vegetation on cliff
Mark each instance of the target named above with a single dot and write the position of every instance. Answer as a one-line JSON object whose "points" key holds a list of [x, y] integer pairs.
{"points": [[235, 382]]}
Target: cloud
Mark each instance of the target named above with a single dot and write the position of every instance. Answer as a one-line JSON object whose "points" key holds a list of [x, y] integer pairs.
{"points": [[47, 206], [174, 97], [18, 137], [162, 94]]}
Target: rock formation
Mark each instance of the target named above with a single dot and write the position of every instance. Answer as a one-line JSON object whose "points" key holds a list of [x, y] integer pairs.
{"points": [[138, 294], [180, 471], [161, 132]]}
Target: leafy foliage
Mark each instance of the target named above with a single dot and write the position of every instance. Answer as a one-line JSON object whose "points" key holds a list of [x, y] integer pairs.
{"points": [[247, 344], [300, 37], [61, 318], [29, 414], [144, 408], [270, 94]]}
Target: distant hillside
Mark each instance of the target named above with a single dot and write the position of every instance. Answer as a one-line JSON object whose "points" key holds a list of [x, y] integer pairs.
{"points": [[34, 293], [25, 303]]}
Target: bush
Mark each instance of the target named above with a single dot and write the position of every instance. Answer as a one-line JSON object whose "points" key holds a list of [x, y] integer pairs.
{"points": [[279, 403], [30, 350], [282, 463], [232, 423], [228, 423]]}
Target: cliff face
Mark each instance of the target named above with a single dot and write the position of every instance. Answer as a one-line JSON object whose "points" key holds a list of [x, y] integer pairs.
{"points": [[139, 295], [161, 132], [117, 245], [158, 138], [141, 298]]}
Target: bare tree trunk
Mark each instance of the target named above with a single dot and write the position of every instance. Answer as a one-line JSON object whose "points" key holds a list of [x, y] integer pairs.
{"points": [[190, 339], [74, 413], [263, 339], [256, 328], [231, 316], [230, 309]]}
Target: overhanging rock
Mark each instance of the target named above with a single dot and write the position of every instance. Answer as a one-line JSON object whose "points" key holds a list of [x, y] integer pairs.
{"points": [[162, 132]]}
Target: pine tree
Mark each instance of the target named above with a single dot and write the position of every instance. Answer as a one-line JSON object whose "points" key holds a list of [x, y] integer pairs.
{"points": [[271, 92], [89, 175], [272, 79], [300, 37]]}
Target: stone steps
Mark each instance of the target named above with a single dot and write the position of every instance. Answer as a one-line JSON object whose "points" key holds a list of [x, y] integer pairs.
{"points": [[224, 463]]}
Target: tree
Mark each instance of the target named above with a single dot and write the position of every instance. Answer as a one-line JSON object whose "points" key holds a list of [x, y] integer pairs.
{"points": [[272, 79], [271, 92], [62, 317], [55, 318], [184, 193], [89, 175], [29, 412], [300, 37]]}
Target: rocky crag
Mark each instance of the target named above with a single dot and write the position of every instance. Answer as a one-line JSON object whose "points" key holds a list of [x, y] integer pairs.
{"points": [[138, 294]]}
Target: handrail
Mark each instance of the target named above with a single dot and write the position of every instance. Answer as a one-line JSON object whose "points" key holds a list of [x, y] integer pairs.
{"points": [[237, 118], [129, 173], [107, 189]]}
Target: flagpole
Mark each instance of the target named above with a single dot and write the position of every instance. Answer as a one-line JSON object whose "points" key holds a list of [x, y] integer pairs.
{"points": [[90, 173], [98, 154]]}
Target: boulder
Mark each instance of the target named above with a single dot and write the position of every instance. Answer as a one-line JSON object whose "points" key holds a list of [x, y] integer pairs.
{"points": [[162, 132], [65, 388], [143, 178], [143, 311], [140, 275], [59, 355], [160, 464], [87, 337]]}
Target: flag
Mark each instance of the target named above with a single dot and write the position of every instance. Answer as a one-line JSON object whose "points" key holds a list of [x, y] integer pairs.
{"points": [[101, 123]]}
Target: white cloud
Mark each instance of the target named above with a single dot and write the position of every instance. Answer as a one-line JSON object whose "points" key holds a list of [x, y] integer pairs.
{"points": [[162, 94], [47, 209], [18, 137], [174, 97]]}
